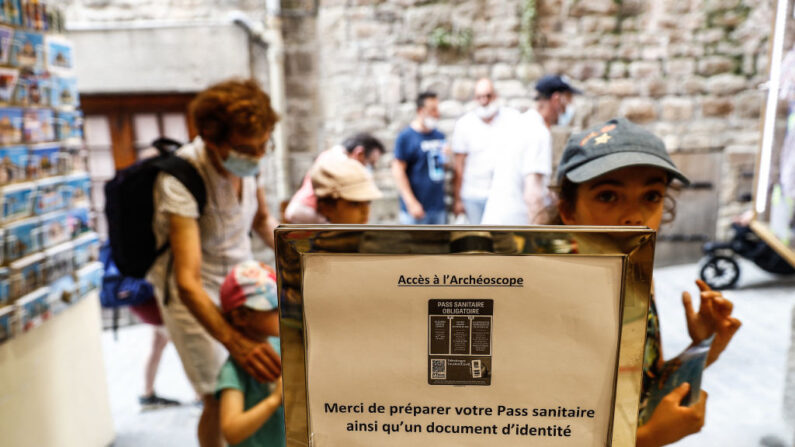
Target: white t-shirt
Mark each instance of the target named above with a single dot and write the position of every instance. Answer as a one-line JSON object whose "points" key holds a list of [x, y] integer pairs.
{"points": [[530, 152], [224, 225], [483, 143]]}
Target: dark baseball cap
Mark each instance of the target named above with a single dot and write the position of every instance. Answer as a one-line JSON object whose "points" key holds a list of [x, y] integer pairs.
{"points": [[613, 145], [550, 84]]}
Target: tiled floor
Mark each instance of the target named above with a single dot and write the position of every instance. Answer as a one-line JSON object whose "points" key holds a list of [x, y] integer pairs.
{"points": [[746, 385]]}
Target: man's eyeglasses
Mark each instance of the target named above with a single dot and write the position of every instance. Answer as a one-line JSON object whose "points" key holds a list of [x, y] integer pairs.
{"points": [[488, 96]]}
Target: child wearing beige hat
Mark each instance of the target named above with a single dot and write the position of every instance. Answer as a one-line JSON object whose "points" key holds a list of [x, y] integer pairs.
{"points": [[344, 190]]}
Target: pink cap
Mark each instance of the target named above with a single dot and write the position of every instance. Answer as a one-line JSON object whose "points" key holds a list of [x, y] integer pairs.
{"points": [[251, 284]]}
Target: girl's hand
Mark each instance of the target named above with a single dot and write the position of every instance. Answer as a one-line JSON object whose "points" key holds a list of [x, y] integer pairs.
{"points": [[724, 333], [713, 311], [671, 421]]}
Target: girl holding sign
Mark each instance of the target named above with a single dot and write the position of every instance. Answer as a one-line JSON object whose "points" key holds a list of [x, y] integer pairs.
{"points": [[618, 173]]}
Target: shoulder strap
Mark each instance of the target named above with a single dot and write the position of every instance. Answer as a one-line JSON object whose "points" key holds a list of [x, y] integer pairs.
{"points": [[183, 171], [166, 145]]}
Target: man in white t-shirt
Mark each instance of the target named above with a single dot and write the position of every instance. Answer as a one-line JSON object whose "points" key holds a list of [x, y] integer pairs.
{"points": [[519, 191], [477, 144]]}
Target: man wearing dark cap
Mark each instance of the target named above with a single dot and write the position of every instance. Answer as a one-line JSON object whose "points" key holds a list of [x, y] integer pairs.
{"points": [[519, 189]]}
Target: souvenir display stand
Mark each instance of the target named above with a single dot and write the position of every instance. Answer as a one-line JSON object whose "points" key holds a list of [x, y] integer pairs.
{"points": [[53, 389]]}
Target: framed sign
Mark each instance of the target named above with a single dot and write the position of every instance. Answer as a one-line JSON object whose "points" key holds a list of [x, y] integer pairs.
{"points": [[774, 189], [462, 336]]}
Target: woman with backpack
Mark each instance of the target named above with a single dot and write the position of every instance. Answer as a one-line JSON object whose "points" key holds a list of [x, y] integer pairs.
{"points": [[234, 121]]}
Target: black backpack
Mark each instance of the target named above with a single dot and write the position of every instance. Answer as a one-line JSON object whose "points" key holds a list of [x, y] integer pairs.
{"points": [[129, 206]]}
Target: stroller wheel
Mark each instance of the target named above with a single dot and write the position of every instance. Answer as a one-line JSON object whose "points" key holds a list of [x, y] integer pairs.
{"points": [[720, 272]]}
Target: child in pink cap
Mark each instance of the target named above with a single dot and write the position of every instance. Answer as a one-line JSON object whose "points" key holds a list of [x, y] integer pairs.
{"points": [[251, 414]]}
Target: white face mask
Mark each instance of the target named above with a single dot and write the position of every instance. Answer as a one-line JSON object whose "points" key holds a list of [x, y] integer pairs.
{"points": [[486, 112], [430, 122], [564, 119]]}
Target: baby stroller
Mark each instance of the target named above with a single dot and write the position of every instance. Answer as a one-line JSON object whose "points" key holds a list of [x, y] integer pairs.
{"points": [[721, 271]]}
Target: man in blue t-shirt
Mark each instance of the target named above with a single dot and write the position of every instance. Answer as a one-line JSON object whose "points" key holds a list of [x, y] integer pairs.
{"points": [[418, 166]]}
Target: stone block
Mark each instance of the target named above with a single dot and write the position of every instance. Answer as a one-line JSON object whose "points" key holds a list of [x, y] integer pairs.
{"points": [[630, 24], [713, 65], [633, 7], [710, 36], [605, 108], [485, 56], [415, 53], [726, 84], [676, 108], [654, 86], [597, 24], [695, 141], [422, 20], [454, 71], [618, 69], [654, 52], [529, 72], [644, 69], [366, 30], [386, 12], [749, 104], [680, 67], [465, 13], [549, 7], [716, 107], [638, 110], [376, 112], [502, 71], [462, 89], [623, 87], [405, 113], [628, 51], [373, 54], [595, 7], [595, 87], [451, 109], [691, 86], [438, 84], [510, 55], [511, 89], [588, 69], [730, 18], [685, 49], [479, 71]]}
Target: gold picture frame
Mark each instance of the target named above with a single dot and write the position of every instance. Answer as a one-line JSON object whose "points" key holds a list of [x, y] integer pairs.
{"points": [[633, 246]]}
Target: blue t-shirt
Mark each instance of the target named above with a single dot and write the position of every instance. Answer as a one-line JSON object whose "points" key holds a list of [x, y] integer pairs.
{"points": [[271, 434], [424, 158]]}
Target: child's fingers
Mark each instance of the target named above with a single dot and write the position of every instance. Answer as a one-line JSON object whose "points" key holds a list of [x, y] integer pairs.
{"points": [[703, 286], [707, 304], [723, 306], [687, 301], [733, 325]]}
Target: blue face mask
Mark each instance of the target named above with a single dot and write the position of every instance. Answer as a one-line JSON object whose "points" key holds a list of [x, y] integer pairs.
{"points": [[242, 165], [564, 119]]}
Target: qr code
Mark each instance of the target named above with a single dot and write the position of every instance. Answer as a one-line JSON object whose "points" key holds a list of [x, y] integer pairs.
{"points": [[477, 370], [438, 369]]}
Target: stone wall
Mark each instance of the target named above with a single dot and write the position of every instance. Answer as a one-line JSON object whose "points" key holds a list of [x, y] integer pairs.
{"points": [[689, 70]]}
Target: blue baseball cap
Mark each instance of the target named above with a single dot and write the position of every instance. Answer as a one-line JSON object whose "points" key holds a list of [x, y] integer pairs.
{"points": [[550, 84]]}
